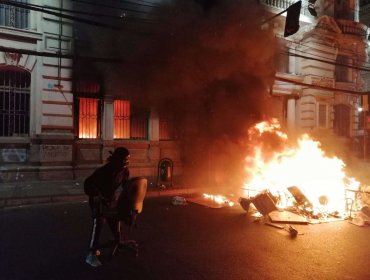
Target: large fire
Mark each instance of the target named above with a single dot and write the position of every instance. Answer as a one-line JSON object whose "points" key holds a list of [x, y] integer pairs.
{"points": [[276, 164]]}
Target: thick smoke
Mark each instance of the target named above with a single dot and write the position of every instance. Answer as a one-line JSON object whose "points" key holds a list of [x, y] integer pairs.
{"points": [[209, 66]]}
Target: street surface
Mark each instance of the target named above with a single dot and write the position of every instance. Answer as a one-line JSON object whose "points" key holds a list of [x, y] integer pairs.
{"points": [[179, 242]]}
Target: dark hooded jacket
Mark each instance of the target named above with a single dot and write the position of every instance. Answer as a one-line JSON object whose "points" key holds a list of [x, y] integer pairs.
{"points": [[106, 180]]}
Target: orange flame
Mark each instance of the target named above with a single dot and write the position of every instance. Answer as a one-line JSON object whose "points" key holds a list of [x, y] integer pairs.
{"points": [[219, 199], [277, 165]]}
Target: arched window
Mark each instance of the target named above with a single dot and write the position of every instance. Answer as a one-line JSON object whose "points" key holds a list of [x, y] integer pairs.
{"points": [[14, 102]]}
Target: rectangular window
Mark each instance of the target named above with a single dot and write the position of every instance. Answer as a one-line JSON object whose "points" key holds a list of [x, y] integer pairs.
{"points": [[16, 17], [14, 103], [323, 113], [166, 129], [342, 71], [282, 60], [139, 123], [139, 127], [121, 119], [88, 118], [129, 123]]}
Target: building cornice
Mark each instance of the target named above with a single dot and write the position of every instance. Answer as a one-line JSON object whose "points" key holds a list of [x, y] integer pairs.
{"points": [[20, 34]]}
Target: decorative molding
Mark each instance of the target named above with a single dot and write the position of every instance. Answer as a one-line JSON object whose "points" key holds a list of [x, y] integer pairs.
{"points": [[12, 58], [24, 35], [322, 81], [24, 61]]}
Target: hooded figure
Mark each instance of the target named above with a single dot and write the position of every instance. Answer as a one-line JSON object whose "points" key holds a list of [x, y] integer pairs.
{"points": [[101, 188]]}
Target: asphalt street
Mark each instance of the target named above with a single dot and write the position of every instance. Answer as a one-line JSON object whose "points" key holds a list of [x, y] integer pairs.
{"points": [[189, 242]]}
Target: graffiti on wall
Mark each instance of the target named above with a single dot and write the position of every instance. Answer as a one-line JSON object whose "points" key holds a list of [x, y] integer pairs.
{"points": [[55, 153], [13, 155]]}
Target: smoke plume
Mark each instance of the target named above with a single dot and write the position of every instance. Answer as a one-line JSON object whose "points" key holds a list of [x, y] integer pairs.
{"points": [[209, 66]]}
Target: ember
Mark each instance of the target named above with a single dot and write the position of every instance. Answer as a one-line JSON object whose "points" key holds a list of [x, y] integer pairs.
{"points": [[297, 174]]}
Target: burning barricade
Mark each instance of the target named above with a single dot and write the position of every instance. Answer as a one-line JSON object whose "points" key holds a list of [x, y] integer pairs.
{"points": [[294, 183], [297, 182]]}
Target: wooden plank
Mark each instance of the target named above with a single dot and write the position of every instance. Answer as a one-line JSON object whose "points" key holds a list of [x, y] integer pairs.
{"points": [[287, 217]]}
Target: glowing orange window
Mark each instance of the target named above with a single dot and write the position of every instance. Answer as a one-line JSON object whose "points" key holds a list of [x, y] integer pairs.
{"points": [[165, 129], [121, 119], [88, 118]]}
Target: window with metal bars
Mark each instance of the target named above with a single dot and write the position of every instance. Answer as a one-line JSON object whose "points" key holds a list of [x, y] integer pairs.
{"points": [[14, 102], [139, 127], [121, 119], [88, 118], [14, 16], [167, 129], [129, 123]]}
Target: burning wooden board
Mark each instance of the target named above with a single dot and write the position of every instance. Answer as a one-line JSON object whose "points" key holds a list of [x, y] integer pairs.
{"points": [[286, 217]]}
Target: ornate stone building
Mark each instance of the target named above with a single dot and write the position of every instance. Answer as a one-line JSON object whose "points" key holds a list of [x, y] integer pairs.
{"points": [[54, 125], [320, 76]]}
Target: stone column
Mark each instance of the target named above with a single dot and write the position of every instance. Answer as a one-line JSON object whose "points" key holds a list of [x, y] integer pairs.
{"points": [[108, 118], [154, 125]]}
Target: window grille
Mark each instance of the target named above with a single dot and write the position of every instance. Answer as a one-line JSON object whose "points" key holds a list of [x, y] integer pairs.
{"points": [[14, 16], [166, 129], [14, 103], [88, 118], [139, 127], [128, 123], [121, 119]]}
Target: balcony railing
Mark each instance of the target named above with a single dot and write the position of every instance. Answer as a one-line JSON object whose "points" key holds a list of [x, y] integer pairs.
{"points": [[354, 28]]}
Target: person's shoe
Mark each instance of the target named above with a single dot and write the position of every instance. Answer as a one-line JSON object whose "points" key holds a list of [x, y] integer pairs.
{"points": [[93, 260]]}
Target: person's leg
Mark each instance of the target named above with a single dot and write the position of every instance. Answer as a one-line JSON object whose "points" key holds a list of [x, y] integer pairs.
{"points": [[113, 225], [92, 257]]}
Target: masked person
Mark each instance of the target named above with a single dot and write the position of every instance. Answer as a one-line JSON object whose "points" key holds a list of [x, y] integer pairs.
{"points": [[101, 187]]}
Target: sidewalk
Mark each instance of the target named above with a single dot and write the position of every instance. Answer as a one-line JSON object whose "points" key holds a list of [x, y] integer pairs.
{"points": [[15, 194]]}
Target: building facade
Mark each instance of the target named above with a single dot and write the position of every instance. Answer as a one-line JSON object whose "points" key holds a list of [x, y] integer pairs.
{"points": [[54, 125], [320, 78], [59, 117]]}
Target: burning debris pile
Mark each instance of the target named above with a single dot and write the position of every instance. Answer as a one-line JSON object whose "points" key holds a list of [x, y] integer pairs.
{"points": [[296, 181]]}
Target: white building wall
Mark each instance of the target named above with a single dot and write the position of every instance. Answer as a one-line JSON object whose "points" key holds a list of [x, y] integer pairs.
{"points": [[57, 112], [51, 109]]}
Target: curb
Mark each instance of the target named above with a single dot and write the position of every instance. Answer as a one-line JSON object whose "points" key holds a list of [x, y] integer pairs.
{"points": [[25, 201]]}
